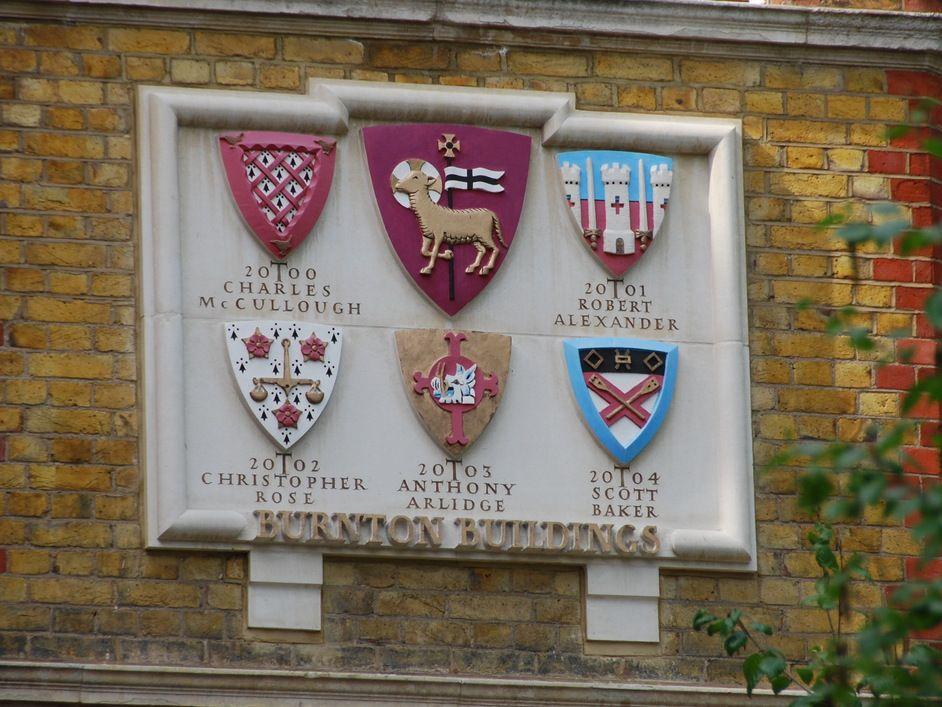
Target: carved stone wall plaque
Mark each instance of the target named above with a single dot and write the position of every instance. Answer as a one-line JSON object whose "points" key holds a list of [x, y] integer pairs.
{"points": [[437, 442]]}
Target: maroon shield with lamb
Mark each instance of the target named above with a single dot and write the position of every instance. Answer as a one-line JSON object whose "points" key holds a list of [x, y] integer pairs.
{"points": [[450, 197], [279, 182]]}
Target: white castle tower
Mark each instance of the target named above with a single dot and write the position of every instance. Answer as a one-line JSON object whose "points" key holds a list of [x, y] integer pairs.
{"points": [[661, 178], [572, 184], [617, 237]]}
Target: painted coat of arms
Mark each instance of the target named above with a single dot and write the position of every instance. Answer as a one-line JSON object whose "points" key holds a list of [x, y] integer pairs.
{"points": [[450, 197], [624, 388], [617, 200], [454, 381], [279, 182], [285, 373]]}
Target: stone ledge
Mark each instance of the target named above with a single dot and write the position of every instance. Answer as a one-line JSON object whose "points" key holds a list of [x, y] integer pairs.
{"points": [[36, 683]]}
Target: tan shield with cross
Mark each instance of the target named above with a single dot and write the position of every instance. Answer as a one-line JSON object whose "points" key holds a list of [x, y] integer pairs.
{"points": [[454, 381]]}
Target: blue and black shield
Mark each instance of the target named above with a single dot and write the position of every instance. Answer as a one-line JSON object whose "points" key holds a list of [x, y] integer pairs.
{"points": [[623, 388]]}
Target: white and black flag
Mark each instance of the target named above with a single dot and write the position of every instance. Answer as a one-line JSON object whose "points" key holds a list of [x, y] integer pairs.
{"points": [[474, 178]]}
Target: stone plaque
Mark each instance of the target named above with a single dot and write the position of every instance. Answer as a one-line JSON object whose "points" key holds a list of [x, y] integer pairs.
{"points": [[558, 401]]}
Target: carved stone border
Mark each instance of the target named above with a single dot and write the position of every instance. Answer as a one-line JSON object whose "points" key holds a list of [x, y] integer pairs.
{"points": [[622, 597]]}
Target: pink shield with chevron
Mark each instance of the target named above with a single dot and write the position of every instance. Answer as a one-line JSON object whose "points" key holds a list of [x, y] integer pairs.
{"points": [[279, 182]]}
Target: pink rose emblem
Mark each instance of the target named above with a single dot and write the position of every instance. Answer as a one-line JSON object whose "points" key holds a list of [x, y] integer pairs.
{"points": [[313, 348], [287, 415], [257, 345]]}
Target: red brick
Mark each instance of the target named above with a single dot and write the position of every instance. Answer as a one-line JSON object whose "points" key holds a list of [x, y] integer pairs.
{"points": [[896, 377], [916, 569], [935, 166], [912, 83], [885, 162], [924, 327], [935, 193], [913, 139], [922, 5], [925, 271], [925, 112], [912, 297], [892, 270], [916, 351], [928, 432], [910, 190], [922, 460], [926, 410], [926, 252], [919, 165], [922, 216]]}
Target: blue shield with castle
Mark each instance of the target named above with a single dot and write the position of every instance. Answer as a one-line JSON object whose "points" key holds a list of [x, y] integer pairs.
{"points": [[617, 202]]}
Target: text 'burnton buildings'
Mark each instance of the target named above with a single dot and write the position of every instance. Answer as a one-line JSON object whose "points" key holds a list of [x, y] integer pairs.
{"points": [[433, 352]]}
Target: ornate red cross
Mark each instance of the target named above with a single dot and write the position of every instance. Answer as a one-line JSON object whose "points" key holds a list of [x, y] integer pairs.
{"points": [[624, 403], [485, 384], [617, 205]]}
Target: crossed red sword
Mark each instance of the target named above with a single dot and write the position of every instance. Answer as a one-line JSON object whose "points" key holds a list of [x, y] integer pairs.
{"points": [[622, 403]]}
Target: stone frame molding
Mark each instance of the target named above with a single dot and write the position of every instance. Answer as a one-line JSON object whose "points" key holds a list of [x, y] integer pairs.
{"points": [[721, 29], [36, 683], [621, 597]]}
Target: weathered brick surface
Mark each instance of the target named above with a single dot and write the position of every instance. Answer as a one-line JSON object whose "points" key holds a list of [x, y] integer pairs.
{"points": [[74, 582]]}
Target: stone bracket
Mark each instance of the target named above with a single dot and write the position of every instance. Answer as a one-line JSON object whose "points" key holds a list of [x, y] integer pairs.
{"points": [[621, 602], [284, 590]]}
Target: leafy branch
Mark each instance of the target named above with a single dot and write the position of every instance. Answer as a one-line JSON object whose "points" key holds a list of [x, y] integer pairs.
{"points": [[841, 484]]}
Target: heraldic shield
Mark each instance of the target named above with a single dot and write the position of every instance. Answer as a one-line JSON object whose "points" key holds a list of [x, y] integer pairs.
{"points": [[280, 183], [285, 373], [617, 201], [624, 388], [454, 381], [450, 197]]}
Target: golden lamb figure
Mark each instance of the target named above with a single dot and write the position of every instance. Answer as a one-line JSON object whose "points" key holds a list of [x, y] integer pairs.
{"points": [[440, 224]]}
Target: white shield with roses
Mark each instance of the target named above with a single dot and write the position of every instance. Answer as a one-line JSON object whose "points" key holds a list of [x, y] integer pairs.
{"points": [[285, 373]]}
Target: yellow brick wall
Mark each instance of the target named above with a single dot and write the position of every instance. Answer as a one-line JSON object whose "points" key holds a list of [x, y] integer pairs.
{"points": [[75, 583]]}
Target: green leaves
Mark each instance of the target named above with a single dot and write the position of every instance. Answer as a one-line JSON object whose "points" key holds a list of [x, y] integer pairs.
{"points": [[842, 484], [702, 619], [729, 628], [761, 628], [766, 664], [735, 642]]}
